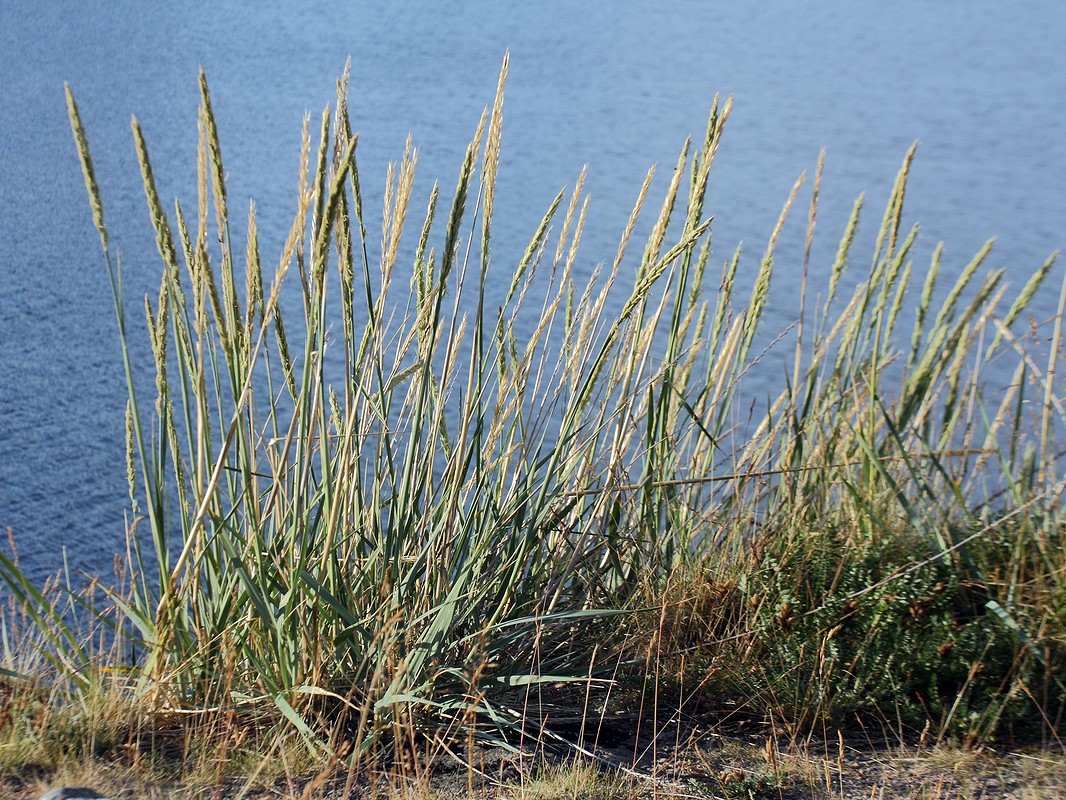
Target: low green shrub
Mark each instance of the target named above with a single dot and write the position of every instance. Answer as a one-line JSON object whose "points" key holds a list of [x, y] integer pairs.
{"points": [[837, 633]]}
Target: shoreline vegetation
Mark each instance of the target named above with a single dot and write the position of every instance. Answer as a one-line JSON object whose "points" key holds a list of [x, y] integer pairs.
{"points": [[376, 530]]}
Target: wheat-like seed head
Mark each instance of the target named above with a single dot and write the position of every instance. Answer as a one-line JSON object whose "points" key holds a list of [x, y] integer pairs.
{"points": [[82, 143]]}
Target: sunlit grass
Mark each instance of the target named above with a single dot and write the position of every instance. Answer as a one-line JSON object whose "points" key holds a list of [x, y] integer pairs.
{"points": [[404, 514]]}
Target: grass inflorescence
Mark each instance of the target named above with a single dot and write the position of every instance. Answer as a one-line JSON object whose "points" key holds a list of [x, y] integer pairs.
{"points": [[385, 525]]}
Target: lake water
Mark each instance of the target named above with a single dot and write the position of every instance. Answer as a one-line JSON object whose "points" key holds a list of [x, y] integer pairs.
{"points": [[617, 86]]}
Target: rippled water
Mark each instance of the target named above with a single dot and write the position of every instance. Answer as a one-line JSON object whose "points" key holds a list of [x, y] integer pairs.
{"points": [[615, 85]]}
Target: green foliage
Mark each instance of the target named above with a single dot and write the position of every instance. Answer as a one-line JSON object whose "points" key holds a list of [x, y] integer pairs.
{"points": [[846, 626]]}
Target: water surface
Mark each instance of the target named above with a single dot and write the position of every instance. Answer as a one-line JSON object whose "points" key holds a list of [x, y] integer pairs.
{"points": [[617, 86]]}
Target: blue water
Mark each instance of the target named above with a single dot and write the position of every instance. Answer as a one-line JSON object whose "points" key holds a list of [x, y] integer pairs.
{"points": [[617, 86]]}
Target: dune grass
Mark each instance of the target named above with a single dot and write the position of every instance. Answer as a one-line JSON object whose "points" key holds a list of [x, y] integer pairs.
{"points": [[404, 514]]}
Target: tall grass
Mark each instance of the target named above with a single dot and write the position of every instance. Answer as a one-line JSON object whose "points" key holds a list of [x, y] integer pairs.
{"points": [[401, 511]]}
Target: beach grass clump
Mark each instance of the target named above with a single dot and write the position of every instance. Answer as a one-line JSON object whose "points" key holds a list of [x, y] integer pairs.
{"points": [[394, 488]]}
